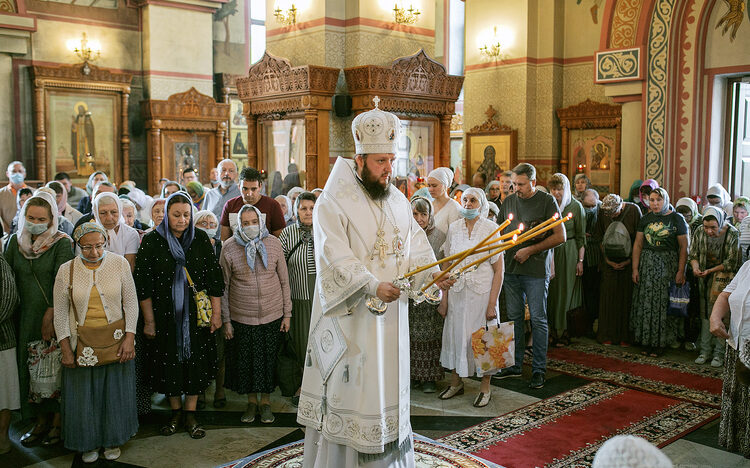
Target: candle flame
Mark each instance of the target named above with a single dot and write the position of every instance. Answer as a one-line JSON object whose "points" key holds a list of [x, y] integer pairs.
{"points": [[521, 227], [556, 215], [515, 238], [569, 216], [510, 217]]}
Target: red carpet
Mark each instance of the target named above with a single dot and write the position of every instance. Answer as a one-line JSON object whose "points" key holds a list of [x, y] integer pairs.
{"points": [[567, 429], [700, 384]]}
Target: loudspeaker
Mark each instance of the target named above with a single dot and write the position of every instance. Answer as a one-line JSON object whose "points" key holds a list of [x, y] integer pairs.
{"points": [[342, 105]]}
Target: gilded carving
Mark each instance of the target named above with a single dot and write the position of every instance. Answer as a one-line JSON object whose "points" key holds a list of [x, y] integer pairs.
{"points": [[491, 124], [8, 6], [275, 76], [618, 65], [625, 23], [732, 19]]}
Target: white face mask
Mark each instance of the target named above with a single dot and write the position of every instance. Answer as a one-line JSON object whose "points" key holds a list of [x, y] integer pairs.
{"points": [[211, 232], [36, 229], [251, 231]]}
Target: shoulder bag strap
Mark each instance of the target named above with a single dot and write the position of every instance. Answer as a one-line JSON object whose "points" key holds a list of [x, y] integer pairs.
{"points": [[296, 246], [190, 280], [31, 263], [70, 291]]}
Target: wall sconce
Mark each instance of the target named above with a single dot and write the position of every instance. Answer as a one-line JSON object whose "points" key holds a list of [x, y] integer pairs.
{"points": [[287, 16], [493, 48], [86, 50], [405, 16]]}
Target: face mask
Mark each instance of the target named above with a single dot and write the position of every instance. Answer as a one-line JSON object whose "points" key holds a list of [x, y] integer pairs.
{"points": [[36, 229], [214, 181], [16, 178], [211, 232], [469, 213], [104, 252], [251, 231]]}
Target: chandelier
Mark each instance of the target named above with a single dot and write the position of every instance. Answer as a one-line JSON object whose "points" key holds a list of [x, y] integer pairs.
{"points": [[287, 16], [406, 16]]}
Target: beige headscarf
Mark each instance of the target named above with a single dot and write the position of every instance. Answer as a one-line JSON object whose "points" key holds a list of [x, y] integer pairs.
{"points": [[45, 240]]}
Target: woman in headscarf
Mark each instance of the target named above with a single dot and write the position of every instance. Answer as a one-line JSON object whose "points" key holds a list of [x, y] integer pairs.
{"points": [[565, 289], [98, 402], [184, 355], [714, 248], [256, 309], [84, 206], [35, 253], [62, 223], [22, 195], [472, 301], [286, 207], [581, 183], [718, 196], [648, 186], [493, 192], [169, 188], [197, 193], [121, 238], [446, 209], [63, 208], [634, 192], [299, 251], [156, 212], [616, 294], [689, 210], [425, 323], [739, 210], [659, 257]]}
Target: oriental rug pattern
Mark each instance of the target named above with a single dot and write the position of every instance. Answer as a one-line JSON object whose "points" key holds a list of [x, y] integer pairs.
{"points": [[567, 429], [699, 384], [426, 455]]}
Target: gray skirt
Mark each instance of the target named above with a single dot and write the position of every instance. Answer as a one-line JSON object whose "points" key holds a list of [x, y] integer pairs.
{"points": [[98, 406]]}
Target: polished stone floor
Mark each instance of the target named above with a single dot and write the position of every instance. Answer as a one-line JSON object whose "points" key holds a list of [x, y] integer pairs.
{"points": [[228, 439]]}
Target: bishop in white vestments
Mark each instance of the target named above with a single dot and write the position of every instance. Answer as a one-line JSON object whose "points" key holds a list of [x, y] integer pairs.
{"points": [[355, 390]]}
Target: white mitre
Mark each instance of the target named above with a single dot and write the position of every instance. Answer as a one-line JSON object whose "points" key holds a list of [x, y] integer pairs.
{"points": [[376, 131]]}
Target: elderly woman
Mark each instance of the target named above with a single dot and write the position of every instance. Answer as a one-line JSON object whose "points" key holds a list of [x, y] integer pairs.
{"points": [[472, 302], [10, 398], [35, 253], [286, 207], [425, 323], [94, 293], [739, 210], [659, 257], [565, 289], [173, 261], [121, 238], [493, 211], [257, 306], [299, 251], [714, 248], [493, 192], [63, 208], [84, 206], [616, 293], [581, 183], [446, 210], [206, 221], [689, 210], [197, 193], [171, 187], [734, 303], [156, 212]]}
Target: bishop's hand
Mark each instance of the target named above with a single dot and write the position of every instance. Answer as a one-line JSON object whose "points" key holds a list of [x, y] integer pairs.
{"points": [[387, 292]]}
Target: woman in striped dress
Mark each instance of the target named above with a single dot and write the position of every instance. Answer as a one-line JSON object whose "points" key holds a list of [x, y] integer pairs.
{"points": [[299, 251]]}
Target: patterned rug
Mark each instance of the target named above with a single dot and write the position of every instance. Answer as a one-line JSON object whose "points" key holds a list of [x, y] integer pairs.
{"points": [[427, 454], [691, 382], [567, 429]]}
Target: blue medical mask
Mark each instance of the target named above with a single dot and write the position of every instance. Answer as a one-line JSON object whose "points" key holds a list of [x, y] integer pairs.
{"points": [[469, 213], [36, 229], [211, 232], [104, 253], [251, 231], [16, 178]]}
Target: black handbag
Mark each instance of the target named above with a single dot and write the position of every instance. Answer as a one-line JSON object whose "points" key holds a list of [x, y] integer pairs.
{"points": [[288, 372]]}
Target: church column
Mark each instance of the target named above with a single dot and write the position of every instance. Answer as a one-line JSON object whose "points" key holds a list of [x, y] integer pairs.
{"points": [[444, 158], [252, 138], [311, 148], [220, 143], [125, 137], [154, 144]]}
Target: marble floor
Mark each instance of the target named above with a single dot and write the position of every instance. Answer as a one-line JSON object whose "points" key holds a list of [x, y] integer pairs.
{"points": [[228, 439]]}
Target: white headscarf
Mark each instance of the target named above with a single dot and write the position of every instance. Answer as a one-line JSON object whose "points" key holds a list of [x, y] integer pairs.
{"points": [[115, 240], [567, 195], [627, 451], [294, 190], [45, 240], [716, 212], [718, 190], [442, 175], [289, 211], [484, 206]]}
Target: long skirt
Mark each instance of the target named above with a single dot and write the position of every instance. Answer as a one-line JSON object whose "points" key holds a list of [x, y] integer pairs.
{"points": [[614, 304], [143, 363], [734, 429], [425, 341], [466, 314], [565, 289], [10, 395], [648, 317], [251, 357], [299, 328], [98, 406]]}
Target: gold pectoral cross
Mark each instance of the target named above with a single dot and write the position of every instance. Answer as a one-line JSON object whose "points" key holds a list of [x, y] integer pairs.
{"points": [[381, 248]]}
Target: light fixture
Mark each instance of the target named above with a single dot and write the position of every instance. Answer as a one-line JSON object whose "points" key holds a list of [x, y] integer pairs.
{"points": [[406, 15], [493, 48], [286, 16], [87, 50]]}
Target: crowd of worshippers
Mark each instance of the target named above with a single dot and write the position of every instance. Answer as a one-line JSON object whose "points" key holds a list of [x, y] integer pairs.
{"points": [[135, 271]]}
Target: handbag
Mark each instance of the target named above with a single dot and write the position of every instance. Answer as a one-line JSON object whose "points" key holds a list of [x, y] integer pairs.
{"points": [[679, 299], [97, 346], [493, 347], [720, 279], [288, 371], [45, 370], [202, 303]]}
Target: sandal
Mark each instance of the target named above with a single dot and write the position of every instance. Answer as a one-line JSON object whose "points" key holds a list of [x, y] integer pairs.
{"points": [[450, 392], [53, 437], [194, 429], [35, 435], [171, 427], [220, 402]]}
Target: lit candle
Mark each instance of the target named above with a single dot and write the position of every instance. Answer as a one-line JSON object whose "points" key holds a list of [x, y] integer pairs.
{"points": [[536, 229]]}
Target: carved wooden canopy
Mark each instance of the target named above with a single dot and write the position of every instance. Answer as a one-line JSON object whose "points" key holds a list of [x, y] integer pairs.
{"points": [[189, 110], [590, 114], [274, 86], [414, 84]]}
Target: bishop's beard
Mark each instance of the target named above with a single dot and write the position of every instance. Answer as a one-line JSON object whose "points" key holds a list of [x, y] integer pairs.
{"points": [[373, 186]]}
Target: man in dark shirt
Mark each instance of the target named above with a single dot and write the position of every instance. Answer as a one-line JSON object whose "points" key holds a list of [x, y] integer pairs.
{"points": [[528, 269], [251, 187]]}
